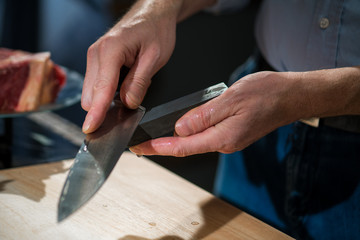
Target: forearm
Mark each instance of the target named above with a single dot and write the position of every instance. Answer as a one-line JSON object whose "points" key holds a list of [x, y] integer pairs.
{"points": [[177, 9], [331, 92], [189, 7]]}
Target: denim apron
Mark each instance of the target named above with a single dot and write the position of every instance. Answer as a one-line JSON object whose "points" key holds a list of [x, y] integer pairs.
{"points": [[299, 179]]}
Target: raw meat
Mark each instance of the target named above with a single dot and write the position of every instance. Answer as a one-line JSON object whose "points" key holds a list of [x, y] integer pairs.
{"points": [[28, 80]]}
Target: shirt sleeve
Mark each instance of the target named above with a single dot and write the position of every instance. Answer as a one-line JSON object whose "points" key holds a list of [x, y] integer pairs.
{"points": [[227, 6]]}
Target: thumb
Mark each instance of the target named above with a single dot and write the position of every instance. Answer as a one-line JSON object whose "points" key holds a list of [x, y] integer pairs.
{"points": [[201, 118]]}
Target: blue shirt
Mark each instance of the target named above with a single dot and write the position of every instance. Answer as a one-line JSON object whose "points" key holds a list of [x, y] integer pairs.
{"points": [[302, 35]]}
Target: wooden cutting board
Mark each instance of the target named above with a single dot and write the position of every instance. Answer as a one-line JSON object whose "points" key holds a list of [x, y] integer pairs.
{"points": [[140, 201]]}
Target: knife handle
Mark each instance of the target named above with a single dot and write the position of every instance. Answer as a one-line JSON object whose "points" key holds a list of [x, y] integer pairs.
{"points": [[160, 121]]}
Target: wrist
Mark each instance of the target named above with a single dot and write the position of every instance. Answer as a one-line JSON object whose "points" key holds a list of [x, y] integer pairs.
{"points": [[290, 97], [177, 10], [330, 92]]}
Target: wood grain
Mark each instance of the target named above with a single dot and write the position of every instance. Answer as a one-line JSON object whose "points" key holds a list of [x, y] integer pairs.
{"points": [[140, 201]]}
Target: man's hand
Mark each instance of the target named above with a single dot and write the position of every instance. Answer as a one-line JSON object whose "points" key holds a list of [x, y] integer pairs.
{"points": [[248, 110], [143, 41], [256, 105]]}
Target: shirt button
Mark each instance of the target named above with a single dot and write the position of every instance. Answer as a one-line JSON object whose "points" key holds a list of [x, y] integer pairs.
{"points": [[324, 23]]}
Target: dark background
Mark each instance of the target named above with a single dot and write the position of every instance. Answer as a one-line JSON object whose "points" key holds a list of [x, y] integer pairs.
{"points": [[208, 49]]}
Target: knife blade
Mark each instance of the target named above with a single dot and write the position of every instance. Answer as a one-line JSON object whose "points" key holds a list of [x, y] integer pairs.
{"points": [[97, 156], [121, 128]]}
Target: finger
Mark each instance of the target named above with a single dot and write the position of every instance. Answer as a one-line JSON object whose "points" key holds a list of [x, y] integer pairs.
{"points": [[203, 117], [207, 141], [104, 89], [103, 94], [138, 80], [90, 76]]}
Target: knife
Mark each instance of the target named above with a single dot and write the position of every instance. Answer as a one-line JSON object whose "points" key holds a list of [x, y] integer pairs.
{"points": [[121, 128]]}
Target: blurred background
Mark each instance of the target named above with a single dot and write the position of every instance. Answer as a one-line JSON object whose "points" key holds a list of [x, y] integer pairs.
{"points": [[208, 48]]}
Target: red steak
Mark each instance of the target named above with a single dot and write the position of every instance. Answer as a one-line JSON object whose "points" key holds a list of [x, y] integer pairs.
{"points": [[28, 80]]}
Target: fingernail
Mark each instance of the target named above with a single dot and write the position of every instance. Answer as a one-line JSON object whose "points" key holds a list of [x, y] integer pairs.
{"points": [[132, 100], [178, 127], [87, 124], [182, 129], [136, 150]]}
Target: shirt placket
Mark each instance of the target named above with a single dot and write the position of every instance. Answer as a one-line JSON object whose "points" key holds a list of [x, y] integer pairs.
{"points": [[323, 40]]}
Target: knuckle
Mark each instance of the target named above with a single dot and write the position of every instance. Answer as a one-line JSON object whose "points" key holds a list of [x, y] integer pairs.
{"points": [[105, 43], [101, 84], [205, 117], [178, 151], [200, 121], [140, 82], [193, 124], [102, 45], [91, 52]]}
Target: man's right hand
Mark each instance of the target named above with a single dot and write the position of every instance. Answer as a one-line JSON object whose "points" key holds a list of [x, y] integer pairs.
{"points": [[143, 41]]}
